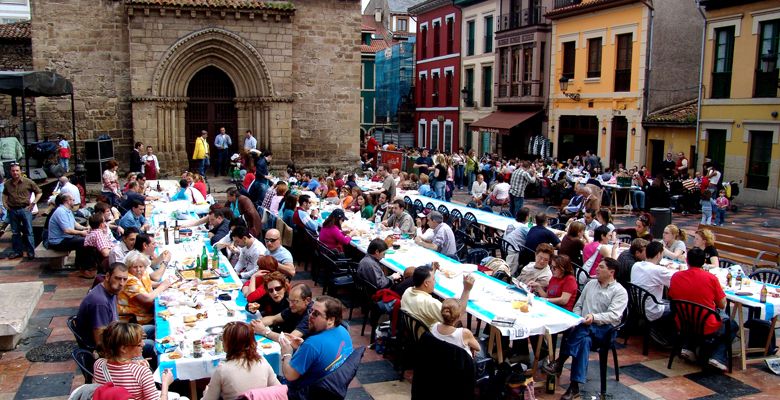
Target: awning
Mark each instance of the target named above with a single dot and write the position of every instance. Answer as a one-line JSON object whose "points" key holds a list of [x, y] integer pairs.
{"points": [[502, 121], [34, 84]]}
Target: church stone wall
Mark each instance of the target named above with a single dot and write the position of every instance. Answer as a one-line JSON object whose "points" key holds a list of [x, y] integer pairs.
{"points": [[326, 77], [85, 41]]}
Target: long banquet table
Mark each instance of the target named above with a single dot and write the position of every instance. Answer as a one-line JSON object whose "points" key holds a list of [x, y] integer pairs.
{"points": [[489, 298], [492, 220], [179, 302]]}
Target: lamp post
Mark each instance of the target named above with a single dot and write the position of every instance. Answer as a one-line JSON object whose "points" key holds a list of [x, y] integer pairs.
{"points": [[466, 98], [564, 84]]}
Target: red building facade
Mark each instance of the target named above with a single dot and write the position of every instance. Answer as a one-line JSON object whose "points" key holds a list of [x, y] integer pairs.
{"points": [[437, 69]]}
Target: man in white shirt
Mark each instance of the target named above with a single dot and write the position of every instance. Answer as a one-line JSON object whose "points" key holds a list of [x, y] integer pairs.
{"points": [[250, 143], [64, 186], [122, 247], [649, 275], [249, 248]]}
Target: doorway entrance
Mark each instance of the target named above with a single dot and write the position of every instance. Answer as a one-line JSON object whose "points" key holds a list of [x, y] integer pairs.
{"points": [[211, 106], [577, 134], [619, 141], [657, 156]]}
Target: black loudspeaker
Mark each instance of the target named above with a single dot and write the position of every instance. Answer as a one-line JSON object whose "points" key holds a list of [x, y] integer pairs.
{"points": [[98, 149], [95, 170], [37, 174]]}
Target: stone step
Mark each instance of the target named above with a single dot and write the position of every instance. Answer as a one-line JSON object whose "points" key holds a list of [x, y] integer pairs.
{"points": [[18, 302]]}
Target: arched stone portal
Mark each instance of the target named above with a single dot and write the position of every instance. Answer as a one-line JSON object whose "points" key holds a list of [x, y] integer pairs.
{"points": [[239, 60]]}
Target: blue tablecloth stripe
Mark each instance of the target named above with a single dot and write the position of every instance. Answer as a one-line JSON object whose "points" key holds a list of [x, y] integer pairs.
{"points": [[769, 308]]}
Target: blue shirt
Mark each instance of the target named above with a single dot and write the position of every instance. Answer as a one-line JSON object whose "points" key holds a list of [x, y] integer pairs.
{"points": [[313, 184], [223, 141], [307, 221], [129, 220], [282, 255], [61, 219], [321, 354], [540, 234]]}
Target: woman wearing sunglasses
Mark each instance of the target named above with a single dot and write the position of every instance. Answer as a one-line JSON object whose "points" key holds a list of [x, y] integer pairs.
{"points": [[271, 297], [244, 369]]}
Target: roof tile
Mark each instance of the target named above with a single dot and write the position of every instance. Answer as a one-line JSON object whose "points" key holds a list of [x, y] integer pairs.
{"points": [[17, 30], [236, 4], [678, 114]]}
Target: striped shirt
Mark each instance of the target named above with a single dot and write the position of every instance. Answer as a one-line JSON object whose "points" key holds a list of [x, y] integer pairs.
{"points": [[98, 239], [136, 379], [518, 182]]}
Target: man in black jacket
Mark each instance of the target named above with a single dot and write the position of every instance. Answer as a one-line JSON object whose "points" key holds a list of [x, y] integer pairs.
{"points": [[135, 158]]}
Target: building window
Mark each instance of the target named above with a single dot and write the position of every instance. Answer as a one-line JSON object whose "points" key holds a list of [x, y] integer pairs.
{"points": [[368, 75], [436, 38], [450, 35], [768, 59], [569, 57], [594, 58], [424, 42], [434, 142], [450, 82], [402, 25], [366, 38], [470, 32], [489, 34], [448, 136], [623, 62], [469, 100], [423, 90], [517, 62], [421, 128], [503, 75], [435, 90], [721, 67], [528, 71], [760, 157], [487, 86]]}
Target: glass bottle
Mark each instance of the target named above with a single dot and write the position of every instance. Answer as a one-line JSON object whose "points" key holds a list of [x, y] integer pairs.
{"points": [[764, 292], [176, 233]]}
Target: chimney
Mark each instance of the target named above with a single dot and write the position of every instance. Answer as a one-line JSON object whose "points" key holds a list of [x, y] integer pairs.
{"points": [[378, 14]]}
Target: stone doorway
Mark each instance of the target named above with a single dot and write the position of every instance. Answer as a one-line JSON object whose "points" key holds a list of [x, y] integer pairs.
{"points": [[211, 105]]}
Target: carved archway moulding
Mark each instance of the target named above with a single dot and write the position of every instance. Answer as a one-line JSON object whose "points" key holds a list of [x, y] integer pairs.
{"points": [[218, 47]]}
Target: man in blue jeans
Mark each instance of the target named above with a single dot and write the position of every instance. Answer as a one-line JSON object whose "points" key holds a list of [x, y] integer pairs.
{"points": [[519, 180], [18, 198], [601, 304]]}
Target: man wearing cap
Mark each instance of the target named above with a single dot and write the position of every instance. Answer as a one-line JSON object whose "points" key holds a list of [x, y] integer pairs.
{"points": [[443, 238], [401, 219]]}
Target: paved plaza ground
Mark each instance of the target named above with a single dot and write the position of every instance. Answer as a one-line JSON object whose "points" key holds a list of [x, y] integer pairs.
{"points": [[641, 377]]}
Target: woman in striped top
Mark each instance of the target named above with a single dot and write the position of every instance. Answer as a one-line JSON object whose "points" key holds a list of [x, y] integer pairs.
{"points": [[124, 366]]}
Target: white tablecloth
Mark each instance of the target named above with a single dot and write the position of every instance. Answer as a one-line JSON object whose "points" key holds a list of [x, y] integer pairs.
{"points": [[492, 220]]}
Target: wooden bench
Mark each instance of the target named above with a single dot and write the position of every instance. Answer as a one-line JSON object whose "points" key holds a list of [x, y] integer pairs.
{"points": [[56, 258], [747, 249], [19, 301]]}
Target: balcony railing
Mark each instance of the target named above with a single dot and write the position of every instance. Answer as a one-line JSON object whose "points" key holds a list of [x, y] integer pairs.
{"points": [[565, 3], [622, 80], [766, 84], [519, 91], [526, 17]]}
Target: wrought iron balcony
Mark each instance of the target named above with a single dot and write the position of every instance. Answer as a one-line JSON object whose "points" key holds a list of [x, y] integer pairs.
{"points": [[525, 92], [526, 17]]}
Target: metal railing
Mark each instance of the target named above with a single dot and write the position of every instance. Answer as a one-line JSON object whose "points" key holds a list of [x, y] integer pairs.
{"points": [[526, 17], [565, 3], [520, 90]]}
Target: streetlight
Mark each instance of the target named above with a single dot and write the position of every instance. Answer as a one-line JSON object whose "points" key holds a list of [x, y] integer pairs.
{"points": [[465, 94], [564, 84]]}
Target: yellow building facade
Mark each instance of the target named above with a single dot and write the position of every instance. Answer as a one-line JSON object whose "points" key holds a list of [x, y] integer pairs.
{"points": [[739, 124], [597, 79]]}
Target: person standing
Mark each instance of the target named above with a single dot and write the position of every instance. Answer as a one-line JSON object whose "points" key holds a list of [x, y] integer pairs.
{"points": [[20, 196], [372, 149], [669, 166], [63, 152], [682, 166], [135, 157], [519, 180], [201, 152], [150, 166], [424, 162], [250, 143], [222, 142], [262, 176]]}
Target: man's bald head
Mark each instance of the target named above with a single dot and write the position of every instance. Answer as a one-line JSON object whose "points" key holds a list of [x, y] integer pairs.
{"points": [[273, 239]]}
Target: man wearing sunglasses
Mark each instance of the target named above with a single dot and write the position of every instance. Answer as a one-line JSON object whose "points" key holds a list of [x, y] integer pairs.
{"points": [[324, 351], [273, 244], [293, 320], [17, 195]]}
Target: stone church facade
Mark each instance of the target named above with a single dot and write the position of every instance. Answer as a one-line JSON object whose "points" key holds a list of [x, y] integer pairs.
{"points": [[159, 72]]}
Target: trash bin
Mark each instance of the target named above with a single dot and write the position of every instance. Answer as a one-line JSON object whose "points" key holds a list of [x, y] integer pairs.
{"points": [[662, 217]]}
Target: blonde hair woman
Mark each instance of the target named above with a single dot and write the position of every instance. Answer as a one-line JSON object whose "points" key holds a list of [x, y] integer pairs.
{"points": [[674, 242], [447, 332], [137, 297], [704, 239], [122, 346]]}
